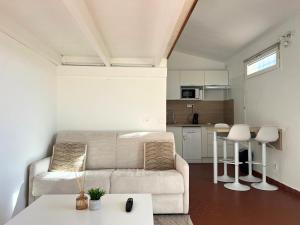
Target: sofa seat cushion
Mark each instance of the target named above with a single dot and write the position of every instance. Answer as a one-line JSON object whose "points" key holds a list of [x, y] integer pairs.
{"points": [[65, 182], [146, 181]]}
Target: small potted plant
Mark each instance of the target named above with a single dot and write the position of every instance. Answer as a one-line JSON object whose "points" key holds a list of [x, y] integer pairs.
{"points": [[95, 196]]}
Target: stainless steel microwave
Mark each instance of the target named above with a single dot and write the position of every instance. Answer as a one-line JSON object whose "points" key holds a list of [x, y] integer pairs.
{"points": [[191, 93]]}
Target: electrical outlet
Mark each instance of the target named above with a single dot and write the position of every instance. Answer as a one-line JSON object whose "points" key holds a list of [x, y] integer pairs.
{"points": [[189, 105]]}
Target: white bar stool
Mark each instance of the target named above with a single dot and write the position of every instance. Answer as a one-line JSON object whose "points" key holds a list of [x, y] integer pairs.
{"points": [[238, 133], [250, 177], [224, 178], [264, 136]]}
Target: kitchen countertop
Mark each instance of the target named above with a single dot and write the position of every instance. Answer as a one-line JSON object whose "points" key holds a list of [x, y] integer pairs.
{"points": [[190, 125]]}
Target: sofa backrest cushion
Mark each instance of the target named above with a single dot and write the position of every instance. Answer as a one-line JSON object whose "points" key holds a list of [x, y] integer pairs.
{"points": [[101, 146], [112, 149], [130, 147]]}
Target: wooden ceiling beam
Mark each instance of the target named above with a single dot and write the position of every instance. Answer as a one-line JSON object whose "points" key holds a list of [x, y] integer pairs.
{"points": [[174, 29], [187, 12]]}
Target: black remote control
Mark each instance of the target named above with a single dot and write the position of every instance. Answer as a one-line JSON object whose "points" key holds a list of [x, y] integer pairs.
{"points": [[129, 204]]}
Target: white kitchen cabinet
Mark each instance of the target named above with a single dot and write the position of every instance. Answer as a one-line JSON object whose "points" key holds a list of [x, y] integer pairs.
{"points": [[210, 146], [214, 77], [210, 149], [204, 142], [176, 79], [191, 144], [173, 85], [195, 144], [192, 78], [177, 131]]}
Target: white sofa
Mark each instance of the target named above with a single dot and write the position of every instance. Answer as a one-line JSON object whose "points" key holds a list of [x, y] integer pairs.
{"points": [[115, 162]]}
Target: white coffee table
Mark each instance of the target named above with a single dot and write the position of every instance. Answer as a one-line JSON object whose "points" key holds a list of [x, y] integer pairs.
{"points": [[60, 210]]}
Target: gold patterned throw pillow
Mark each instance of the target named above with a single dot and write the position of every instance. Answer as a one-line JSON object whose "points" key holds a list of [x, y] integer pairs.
{"points": [[159, 156], [68, 157]]}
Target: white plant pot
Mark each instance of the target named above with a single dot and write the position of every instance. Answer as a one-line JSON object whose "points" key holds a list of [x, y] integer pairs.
{"points": [[95, 204]]}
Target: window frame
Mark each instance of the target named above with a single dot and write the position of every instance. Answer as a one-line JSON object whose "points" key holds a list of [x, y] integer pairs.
{"points": [[260, 55]]}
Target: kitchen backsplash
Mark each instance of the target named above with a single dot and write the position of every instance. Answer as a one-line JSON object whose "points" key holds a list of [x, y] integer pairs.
{"points": [[209, 111]]}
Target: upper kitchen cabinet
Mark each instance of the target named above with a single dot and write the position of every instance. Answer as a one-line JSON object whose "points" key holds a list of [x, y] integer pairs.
{"points": [[214, 82], [192, 78], [173, 85], [215, 77]]}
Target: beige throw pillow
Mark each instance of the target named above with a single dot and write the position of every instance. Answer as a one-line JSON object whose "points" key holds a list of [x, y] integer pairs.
{"points": [[68, 157], [159, 156]]}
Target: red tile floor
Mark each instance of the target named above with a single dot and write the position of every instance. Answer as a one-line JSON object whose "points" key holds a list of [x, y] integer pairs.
{"points": [[212, 204]]}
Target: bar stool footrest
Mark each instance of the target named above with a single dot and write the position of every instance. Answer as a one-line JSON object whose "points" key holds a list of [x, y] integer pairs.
{"points": [[254, 163], [221, 138], [228, 161]]}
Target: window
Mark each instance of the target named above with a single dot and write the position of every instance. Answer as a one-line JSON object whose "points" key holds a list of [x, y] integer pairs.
{"points": [[263, 62]]}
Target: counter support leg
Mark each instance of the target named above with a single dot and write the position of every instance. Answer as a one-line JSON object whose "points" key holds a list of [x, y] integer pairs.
{"points": [[215, 158], [225, 178]]}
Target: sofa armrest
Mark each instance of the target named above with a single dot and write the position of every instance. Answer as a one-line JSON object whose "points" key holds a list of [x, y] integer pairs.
{"points": [[36, 168], [183, 167]]}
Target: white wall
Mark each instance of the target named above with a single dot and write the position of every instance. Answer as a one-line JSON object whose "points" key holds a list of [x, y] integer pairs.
{"points": [[182, 61], [103, 98], [27, 121], [273, 99]]}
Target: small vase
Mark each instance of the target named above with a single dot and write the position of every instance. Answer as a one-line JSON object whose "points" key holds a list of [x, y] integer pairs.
{"points": [[94, 204], [81, 201]]}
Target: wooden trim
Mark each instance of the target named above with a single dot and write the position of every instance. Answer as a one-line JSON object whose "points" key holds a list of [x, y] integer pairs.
{"points": [[281, 186], [182, 27]]}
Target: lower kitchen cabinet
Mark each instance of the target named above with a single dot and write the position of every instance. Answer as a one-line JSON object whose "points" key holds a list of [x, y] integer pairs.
{"points": [[208, 147], [191, 144], [195, 144], [177, 131], [187, 142]]}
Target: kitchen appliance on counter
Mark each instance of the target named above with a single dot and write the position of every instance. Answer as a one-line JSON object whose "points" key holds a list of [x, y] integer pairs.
{"points": [[195, 118], [191, 92]]}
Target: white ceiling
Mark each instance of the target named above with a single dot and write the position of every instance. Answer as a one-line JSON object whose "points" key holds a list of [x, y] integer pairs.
{"points": [[219, 28], [115, 30], [134, 29], [140, 31], [50, 22]]}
